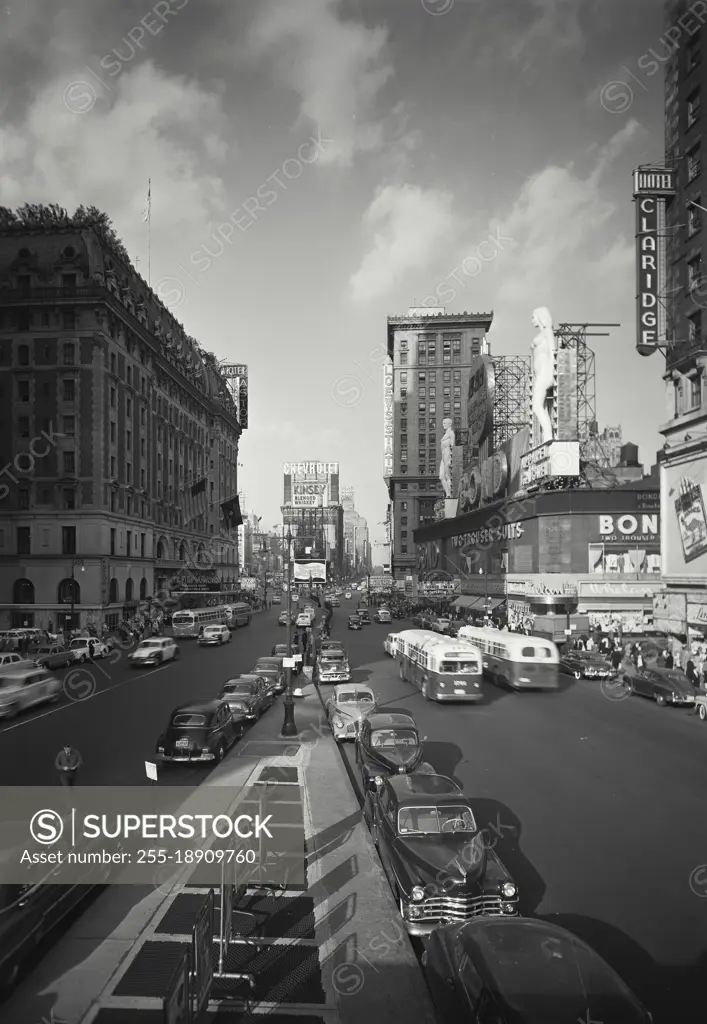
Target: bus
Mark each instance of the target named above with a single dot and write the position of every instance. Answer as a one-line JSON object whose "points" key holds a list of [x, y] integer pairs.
{"points": [[190, 621], [443, 669], [514, 659]]}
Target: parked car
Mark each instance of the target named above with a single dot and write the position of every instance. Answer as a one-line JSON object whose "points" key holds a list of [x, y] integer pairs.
{"points": [[272, 670], [388, 744], [249, 695], [422, 621], [347, 708], [587, 665], [523, 969], [331, 666], [86, 648], [12, 658], [663, 685], [214, 636], [437, 861], [22, 687], [383, 615], [281, 651], [390, 645], [276, 599], [202, 730], [154, 651], [354, 622], [52, 656]]}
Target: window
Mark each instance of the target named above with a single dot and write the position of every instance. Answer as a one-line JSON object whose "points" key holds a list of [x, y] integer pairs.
{"points": [[112, 362], [128, 472], [404, 409], [457, 408], [69, 496], [432, 353], [68, 355], [457, 345], [112, 466], [24, 497], [422, 439], [433, 439], [695, 392], [446, 409], [70, 426], [403, 358], [112, 432], [23, 540], [694, 273], [422, 393], [447, 392], [403, 520], [433, 409], [23, 391], [142, 478], [404, 506], [68, 320], [404, 439], [129, 408], [404, 549], [403, 455], [403, 487], [112, 541], [404, 377], [403, 345], [693, 163], [693, 108], [69, 390], [142, 417], [422, 408], [23, 425], [23, 355], [433, 392], [128, 375], [112, 398], [68, 540], [404, 424], [694, 217], [128, 542], [69, 461], [432, 454], [694, 327], [457, 376], [24, 321], [403, 392]]}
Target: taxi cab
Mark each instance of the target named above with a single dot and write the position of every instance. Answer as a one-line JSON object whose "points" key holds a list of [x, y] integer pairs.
{"points": [[23, 687]]}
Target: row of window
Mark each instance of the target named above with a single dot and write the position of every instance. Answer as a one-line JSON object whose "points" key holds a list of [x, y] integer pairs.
{"points": [[447, 358], [67, 390], [22, 320], [68, 540], [430, 376], [68, 353]]}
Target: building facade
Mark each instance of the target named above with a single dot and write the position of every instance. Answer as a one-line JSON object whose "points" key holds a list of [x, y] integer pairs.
{"points": [[357, 548], [683, 463], [430, 355], [603, 448], [118, 434]]}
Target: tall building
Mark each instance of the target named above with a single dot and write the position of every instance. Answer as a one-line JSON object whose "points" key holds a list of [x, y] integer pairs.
{"points": [[312, 510], [430, 355], [603, 448], [356, 539], [683, 462], [119, 435]]}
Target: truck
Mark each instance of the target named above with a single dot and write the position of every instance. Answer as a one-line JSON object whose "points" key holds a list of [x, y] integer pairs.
{"points": [[554, 627]]}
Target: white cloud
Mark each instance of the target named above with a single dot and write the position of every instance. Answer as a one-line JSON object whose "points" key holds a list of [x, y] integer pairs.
{"points": [[410, 226], [337, 68]]}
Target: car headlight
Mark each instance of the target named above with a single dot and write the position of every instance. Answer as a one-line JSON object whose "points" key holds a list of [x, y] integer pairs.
{"points": [[378, 780], [338, 723], [509, 890], [418, 893]]}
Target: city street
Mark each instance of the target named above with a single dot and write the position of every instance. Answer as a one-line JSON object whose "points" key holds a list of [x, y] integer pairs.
{"points": [[596, 807]]}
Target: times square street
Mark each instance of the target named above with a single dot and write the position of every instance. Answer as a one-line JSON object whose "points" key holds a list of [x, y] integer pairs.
{"points": [[556, 779]]}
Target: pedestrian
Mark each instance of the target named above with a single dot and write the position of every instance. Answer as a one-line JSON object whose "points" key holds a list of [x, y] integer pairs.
{"points": [[617, 657], [67, 763], [691, 672], [669, 659]]}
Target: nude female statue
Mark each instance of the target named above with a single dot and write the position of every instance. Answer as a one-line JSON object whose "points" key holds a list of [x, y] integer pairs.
{"points": [[445, 468], [543, 353]]}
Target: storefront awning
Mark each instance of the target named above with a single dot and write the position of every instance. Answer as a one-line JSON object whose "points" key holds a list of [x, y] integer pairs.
{"points": [[467, 602], [495, 602]]}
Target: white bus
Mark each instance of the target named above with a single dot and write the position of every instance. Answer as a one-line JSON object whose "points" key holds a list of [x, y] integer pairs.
{"points": [[514, 659], [191, 621], [444, 669]]}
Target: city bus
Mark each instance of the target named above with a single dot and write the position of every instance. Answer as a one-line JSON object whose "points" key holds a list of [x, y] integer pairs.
{"points": [[443, 669], [514, 659], [190, 621]]}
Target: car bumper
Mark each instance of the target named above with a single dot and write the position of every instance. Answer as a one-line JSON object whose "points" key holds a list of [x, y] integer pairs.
{"points": [[682, 700], [210, 643], [144, 662], [185, 758], [466, 698], [336, 679], [427, 925]]}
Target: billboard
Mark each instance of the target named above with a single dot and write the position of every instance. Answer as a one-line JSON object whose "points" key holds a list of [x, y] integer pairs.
{"points": [[684, 520], [311, 484], [552, 459], [647, 274], [311, 572], [388, 417], [482, 388]]}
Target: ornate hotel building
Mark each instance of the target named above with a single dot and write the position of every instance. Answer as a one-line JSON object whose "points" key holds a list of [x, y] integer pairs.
{"points": [[118, 434]]}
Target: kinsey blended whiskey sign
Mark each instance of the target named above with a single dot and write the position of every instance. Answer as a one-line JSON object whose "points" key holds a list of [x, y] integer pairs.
{"points": [[651, 186]]}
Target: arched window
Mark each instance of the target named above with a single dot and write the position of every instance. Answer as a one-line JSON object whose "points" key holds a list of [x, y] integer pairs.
{"points": [[23, 592], [69, 592], [113, 596], [160, 549], [129, 589], [182, 552], [143, 588]]}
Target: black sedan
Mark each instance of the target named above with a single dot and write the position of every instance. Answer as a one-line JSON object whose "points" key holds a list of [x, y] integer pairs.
{"points": [[248, 695], [200, 731], [281, 651], [388, 744], [587, 665], [272, 670], [355, 622], [523, 969], [663, 685], [436, 859]]}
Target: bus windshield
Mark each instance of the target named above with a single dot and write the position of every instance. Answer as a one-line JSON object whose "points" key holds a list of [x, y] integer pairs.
{"points": [[453, 667], [183, 617]]}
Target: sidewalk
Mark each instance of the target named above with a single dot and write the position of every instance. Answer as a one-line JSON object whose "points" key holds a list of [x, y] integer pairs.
{"points": [[336, 952]]}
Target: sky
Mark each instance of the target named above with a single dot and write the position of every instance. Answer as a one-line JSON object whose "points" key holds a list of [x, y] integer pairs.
{"points": [[319, 165]]}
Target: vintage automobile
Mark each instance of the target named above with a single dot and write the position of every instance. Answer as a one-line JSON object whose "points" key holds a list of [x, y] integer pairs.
{"points": [[331, 666], [701, 706], [24, 686], [214, 636], [203, 730], [154, 651], [271, 669], [330, 645], [277, 599], [663, 685], [86, 648], [347, 708], [249, 695], [441, 625], [522, 969], [587, 665], [348, 595], [388, 744], [382, 615], [423, 620], [365, 616], [281, 651], [437, 861], [390, 645], [52, 656], [355, 622], [283, 617]]}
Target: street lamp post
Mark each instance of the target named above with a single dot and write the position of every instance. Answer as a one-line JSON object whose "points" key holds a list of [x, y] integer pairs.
{"points": [[486, 595], [74, 563], [289, 728]]}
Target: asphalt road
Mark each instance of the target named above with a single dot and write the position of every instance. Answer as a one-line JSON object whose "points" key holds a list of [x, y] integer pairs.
{"points": [[598, 809], [113, 714]]}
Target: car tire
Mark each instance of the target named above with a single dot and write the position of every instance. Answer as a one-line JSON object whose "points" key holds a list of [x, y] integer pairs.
{"points": [[660, 700], [220, 752], [702, 712]]}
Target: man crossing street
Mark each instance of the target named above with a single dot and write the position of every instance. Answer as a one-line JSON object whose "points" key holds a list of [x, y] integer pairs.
{"points": [[67, 763]]}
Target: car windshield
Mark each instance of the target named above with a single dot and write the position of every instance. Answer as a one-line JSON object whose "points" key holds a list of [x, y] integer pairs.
{"points": [[189, 720], [387, 738], [355, 697], [266, 663], [150, 643], [245, 688], [433, 820], [332, 656], [456, 667], [212, 629], [237, 706]]}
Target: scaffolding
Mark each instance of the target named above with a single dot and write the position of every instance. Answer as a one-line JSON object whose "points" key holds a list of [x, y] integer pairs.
{"points": [[511, 403], [575, 336]]}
